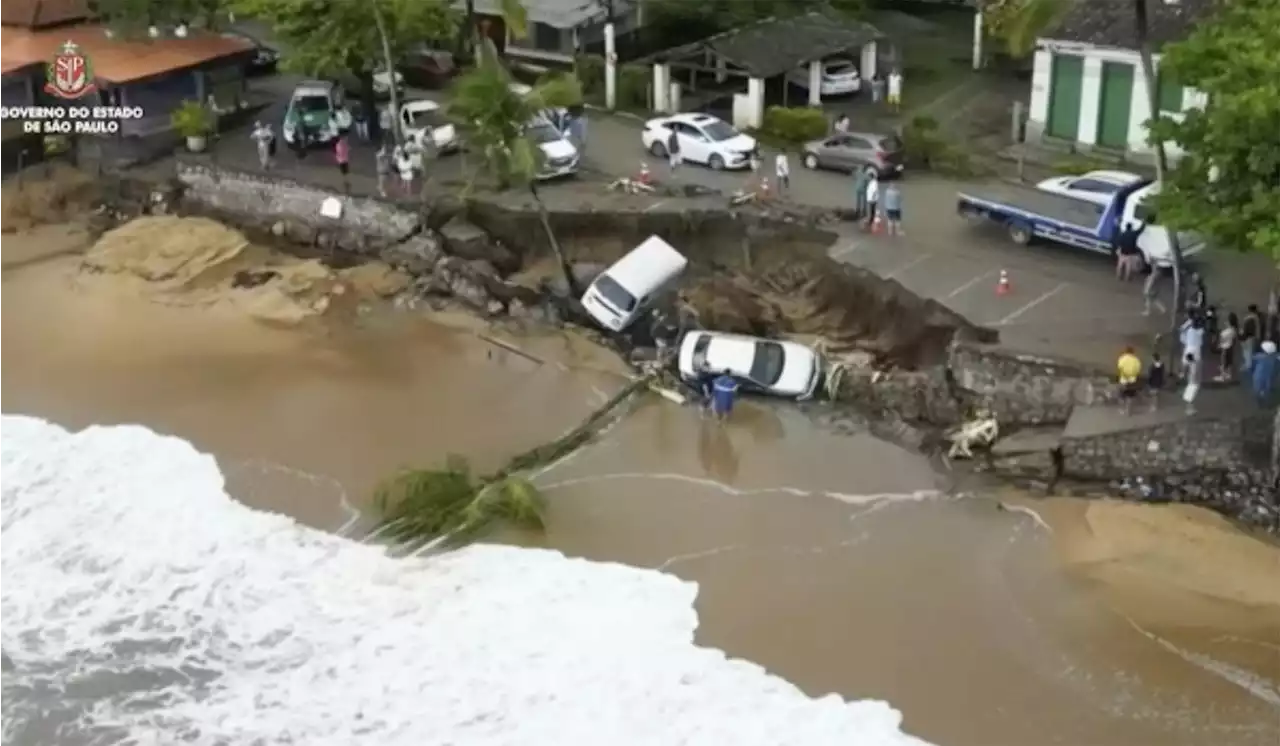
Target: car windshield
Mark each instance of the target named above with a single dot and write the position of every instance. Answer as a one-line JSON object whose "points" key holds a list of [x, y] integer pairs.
{"points": [[426, 118], [719, 131], [840, 68], [766, 368], [311, 103], [617, 295], [543, 133]]}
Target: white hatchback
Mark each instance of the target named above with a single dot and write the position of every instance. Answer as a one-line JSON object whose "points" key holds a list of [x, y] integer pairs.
{"points": [[839, 77], [703, 139], [1097, 187], [765, 365]]}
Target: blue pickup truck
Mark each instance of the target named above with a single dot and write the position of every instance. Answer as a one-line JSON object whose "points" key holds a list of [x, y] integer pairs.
{"points": [[1028, 213]]}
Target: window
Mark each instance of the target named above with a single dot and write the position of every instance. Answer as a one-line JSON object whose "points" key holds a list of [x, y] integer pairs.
{"points": [[547, 38], [860, 143], [1144, 214], [890, 144], [843, 141], [766, 368], [617, 295], [1093, 185], [1168, 93], [719, 131]]}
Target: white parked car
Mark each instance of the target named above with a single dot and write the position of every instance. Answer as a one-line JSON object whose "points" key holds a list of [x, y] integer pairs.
{"points": [[765, 365], [1097, 187], [703, 139], [559, 156], [839, 77], [422, 119]]}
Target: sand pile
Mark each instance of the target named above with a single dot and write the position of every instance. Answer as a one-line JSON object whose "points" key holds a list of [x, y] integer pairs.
{"points": [[197, 261]]}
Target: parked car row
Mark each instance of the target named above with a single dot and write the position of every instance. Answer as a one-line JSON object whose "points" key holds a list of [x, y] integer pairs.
{"points": [[631, 286], [321, 108]]}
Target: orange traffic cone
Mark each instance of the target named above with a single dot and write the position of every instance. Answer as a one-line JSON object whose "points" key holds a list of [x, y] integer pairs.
{"points": [[877, 225], [764, 188], [643, 178], [1002, 285]]}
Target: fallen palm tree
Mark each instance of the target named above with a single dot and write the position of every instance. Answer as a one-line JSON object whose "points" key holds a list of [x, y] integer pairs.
{"points": [[451, 504]]}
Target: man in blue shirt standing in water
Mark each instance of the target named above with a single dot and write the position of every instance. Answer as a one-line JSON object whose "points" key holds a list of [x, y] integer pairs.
{"points": [[724, 389]]}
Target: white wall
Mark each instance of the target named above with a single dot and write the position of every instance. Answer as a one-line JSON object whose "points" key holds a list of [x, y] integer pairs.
{"points": [[1090, 96]]}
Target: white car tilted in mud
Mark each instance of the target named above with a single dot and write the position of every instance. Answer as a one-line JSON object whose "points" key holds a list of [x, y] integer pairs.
{"points": [[767, 366]]}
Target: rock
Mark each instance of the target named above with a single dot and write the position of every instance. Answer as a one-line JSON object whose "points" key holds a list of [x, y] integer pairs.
{"points": [[299, 232], [278, 228], [417, 256], [465, 240], [496, 308]]}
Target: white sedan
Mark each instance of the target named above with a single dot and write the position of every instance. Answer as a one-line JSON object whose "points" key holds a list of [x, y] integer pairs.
{"points": [[1096, 186], [703, 139], [765, 365], [839, 77]]}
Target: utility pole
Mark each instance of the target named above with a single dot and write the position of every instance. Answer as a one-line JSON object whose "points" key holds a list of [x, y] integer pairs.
{"points": [[610, 59]]}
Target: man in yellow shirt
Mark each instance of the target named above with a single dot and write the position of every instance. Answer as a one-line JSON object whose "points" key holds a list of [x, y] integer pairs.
{"points": [[1128, 369]]}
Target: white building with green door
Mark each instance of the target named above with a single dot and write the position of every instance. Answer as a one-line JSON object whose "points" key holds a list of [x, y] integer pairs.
{"points": [[1087, 87]]}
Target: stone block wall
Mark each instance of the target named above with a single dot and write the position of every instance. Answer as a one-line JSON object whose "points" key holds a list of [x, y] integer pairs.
{"points": [[366, 226], [1185, 446], [1022, 389]]}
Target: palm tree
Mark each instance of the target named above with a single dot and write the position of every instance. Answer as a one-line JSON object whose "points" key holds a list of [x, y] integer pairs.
{"points": [[492, 118], [1141, 27]]}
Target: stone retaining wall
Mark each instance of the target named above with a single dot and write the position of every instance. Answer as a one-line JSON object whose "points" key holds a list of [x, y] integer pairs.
{"points": [[1192, 445]]}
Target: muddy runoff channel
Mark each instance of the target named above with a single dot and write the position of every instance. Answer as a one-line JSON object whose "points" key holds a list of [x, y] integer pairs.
{"points": [[836, 559]]}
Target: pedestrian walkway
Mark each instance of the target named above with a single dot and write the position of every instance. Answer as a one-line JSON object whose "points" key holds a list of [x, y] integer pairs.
{"points": [[1211, 404]]}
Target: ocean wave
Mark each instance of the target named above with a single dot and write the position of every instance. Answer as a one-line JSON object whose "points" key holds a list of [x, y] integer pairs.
{"points": [[143, 605]]}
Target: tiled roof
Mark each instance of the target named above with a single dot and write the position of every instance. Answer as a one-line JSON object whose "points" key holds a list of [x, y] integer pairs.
{"points": [[117, 60], [774, 46], [1110, 23]]}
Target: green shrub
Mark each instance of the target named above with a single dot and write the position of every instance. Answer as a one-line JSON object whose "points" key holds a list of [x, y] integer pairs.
{"points": [[590, 71], [925, 148], [794, 125], [192, 119], [633, 87]]}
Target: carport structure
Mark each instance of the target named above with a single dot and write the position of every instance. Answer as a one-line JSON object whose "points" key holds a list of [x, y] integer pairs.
{"points": [[763, 50]]}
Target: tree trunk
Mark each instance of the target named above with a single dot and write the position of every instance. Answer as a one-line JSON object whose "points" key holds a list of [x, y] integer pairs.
{"points": [[555, 244], [1141, 25], [389, 62], [369, 101], [465, 31]]}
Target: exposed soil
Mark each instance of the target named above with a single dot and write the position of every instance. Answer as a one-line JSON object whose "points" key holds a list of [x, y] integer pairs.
{"points": [[56, 196]]}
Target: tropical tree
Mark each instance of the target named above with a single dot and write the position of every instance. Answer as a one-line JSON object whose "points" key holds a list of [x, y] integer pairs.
{"points": [[1019, 23], [1233, 59], [355, 37], [494, 121], [1142, 26]]}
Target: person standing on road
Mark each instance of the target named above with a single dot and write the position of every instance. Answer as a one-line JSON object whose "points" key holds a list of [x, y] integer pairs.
{"points": [[1193, 342], [1155, 379], [1128, 256], [860, 179], [873, 199], [1250, 335], [382, 167], [1198, 298], [1263, 374], [673, 150], [1227, 339], [877, 88], [782, 170], [265, 140], [1128, 370], [1191, 364], [842, 124], [342, 156], [891, 201], [895, 90]]}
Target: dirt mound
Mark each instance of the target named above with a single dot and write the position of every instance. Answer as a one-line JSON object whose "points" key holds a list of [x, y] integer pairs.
{"points": [[197, 261], [58, 195], [851, 309]]}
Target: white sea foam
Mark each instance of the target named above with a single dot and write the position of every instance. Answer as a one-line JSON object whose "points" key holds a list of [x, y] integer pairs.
{"points": [[133, 583]]}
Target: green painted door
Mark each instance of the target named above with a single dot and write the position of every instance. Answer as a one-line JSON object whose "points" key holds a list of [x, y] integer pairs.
{"points": [[1067, 79], [1114, 103]]}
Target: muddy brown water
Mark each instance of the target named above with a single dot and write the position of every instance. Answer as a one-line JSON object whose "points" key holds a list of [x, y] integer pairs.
{"points": [[829, 560]]}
